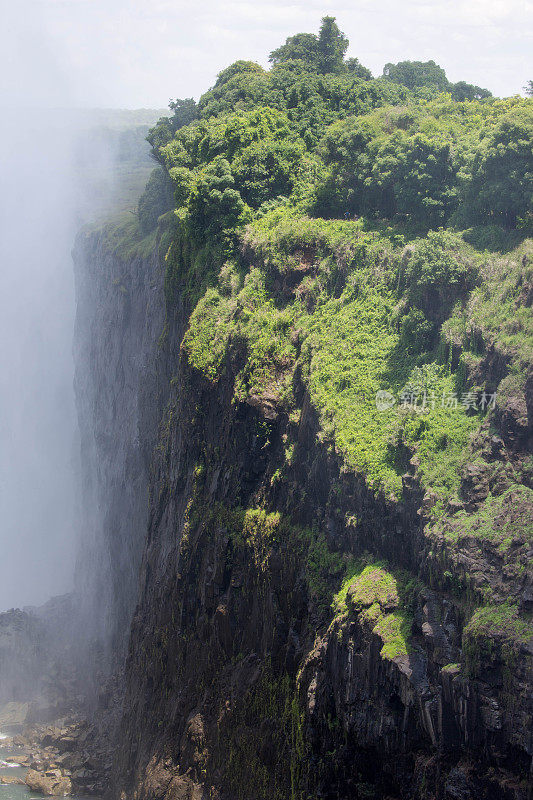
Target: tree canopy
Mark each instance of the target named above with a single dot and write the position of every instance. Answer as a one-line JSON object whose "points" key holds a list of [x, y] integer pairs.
{"points": [[417, 74], [425, 78], [323, 53], [318, 130]]}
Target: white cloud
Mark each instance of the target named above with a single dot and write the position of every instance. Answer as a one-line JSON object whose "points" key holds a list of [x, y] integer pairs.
{"points": [[134, 53]]}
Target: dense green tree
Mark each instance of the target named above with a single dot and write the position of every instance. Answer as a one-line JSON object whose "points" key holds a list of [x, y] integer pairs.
{"points": [[225, 165], [419, 175], [426, 78], [417, 74], [501, 186], [267, 169], [214, 204], [160, 135], [157, 199], [383, 165], [242, 85], [184, 112], [301, 47], [332, 46], [323, 53], [354, 67], [466, 91], [528, 88]]}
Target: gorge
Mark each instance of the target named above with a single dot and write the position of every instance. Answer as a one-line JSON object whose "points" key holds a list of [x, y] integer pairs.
{"points": [[304, 391]]}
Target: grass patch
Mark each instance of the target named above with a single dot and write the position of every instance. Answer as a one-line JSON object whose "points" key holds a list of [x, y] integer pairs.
{"points": [[349, 342], [501, 520], [340, 319], [124, 238], [440, 433], [498, 310], [495, 632], [382, 601], [373, 585], [250, 318], [206, 339]]}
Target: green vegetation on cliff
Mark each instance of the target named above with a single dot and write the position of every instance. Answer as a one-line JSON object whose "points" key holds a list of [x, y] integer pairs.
{"points": [[338, 228], [360, 246], [382, 602], [268, 170], [494, 633]]}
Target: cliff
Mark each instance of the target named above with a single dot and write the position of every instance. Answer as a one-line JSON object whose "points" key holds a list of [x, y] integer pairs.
{"points": [[312, 616], [306, 399], [120, 394]]}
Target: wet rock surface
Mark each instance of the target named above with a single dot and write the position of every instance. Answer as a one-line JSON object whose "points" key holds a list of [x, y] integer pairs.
{"points": [[51, 783], [62, 759]]}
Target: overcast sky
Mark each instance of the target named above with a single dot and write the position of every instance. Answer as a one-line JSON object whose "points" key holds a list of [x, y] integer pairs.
{"points": [[141, 53]]}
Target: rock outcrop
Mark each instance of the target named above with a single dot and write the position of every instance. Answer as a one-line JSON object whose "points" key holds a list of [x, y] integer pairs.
{"points": [[51, 783]]}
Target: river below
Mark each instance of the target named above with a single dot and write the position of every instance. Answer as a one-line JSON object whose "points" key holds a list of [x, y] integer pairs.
{"points": [[11, 769]]}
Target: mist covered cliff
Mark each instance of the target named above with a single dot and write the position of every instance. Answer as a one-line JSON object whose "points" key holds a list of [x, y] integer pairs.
{"points": [[304, 380], [304, 393]]}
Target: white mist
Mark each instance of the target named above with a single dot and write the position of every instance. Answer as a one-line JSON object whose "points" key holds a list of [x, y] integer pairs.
{"points": [[37, 415]]}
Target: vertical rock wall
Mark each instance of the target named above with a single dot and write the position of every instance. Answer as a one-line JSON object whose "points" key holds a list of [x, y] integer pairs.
{"points": [[119, 396]]}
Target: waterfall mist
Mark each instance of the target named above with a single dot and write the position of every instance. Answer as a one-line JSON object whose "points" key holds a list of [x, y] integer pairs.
{"points": [[58, 170], [38, 218]]}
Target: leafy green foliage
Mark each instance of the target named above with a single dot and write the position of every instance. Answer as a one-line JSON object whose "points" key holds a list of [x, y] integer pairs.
{"points": [[373, 585], [505, 520], [439, 273], [424, 162], [332, 46], [497, 310], [417, 74], [350, 348], [241, 86], [206, 338], [387, 165], [213, 202], [324, 53], [427, 78], [349, 343], [300, 47], [501, 188], [250, 319], [157, 199], [309, 81], [221, 165], [185, 111], [462, 91], [439, 431]]}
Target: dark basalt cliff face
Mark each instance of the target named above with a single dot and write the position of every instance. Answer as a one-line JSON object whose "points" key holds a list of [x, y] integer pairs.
{"points": [[121, 389], [242, 678]]}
